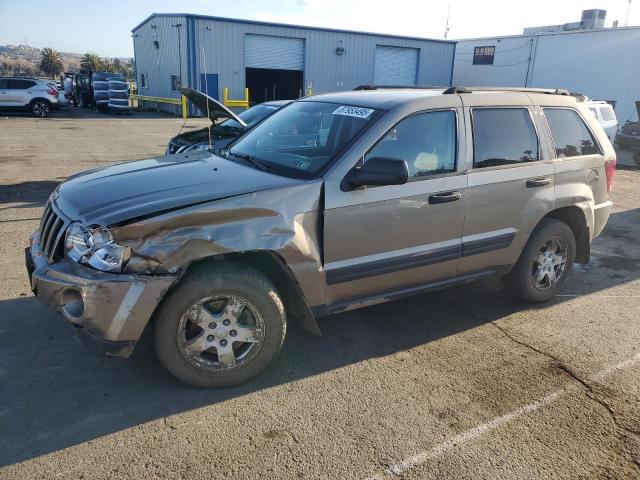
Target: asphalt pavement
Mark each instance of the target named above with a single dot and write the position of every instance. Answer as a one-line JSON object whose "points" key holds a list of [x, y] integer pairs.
{"points": [[462, 383]]}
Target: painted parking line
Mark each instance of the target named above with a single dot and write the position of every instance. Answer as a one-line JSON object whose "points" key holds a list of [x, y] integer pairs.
{"points": [[477, 431]]}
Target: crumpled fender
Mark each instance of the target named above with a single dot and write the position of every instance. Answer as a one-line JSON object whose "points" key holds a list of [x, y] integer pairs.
{"points": [[285, 221]]}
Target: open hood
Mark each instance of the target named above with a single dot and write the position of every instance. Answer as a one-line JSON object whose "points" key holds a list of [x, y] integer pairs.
{"points": [[216, 110]]}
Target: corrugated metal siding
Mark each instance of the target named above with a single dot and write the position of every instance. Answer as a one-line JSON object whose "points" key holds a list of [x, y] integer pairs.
{"points": [[159, 64], [602, 64], [221, 44], [395, 65], [267, 51]]}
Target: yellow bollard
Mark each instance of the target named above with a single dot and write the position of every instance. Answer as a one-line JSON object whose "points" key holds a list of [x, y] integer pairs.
{"points": [[183, 102]]}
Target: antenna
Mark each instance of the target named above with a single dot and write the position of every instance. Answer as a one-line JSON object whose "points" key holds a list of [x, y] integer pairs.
{"points": [[446, 28], [206, 83]]}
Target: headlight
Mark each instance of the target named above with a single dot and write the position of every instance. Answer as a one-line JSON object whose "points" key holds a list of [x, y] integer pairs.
{"points": [[96, 248], [196, 147]]}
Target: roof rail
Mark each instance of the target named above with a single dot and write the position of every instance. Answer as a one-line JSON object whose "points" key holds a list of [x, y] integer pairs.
{"points": [[398, 87], [547, 91]]}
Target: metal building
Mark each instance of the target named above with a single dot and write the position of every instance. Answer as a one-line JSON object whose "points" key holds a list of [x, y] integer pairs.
{"points": [[602, 63], [277, 61]]}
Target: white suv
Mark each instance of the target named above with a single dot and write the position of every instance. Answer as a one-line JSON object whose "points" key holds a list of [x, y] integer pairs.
{"points": [[32, 94], [606, 117]]}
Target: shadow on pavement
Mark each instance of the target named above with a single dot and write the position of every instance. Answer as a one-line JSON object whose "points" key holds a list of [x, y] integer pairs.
{"points": [[55, 395], [30, 193]]}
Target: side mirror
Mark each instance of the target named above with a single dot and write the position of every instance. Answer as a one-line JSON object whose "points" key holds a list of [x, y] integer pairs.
{"points": [[377, 171]]}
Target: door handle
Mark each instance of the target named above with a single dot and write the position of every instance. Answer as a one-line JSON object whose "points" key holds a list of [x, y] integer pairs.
{"points": [[538, 182], [444, 197]]}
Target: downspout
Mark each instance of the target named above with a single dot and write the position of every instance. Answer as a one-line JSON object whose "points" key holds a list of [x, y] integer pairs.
{"points": [[527, 80]]}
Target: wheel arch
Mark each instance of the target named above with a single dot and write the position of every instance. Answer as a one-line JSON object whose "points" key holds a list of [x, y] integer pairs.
{"points": [[575, 218], [34, 100], [272, 266]]}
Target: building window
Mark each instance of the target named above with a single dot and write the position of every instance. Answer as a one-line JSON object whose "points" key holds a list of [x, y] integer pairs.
{"points": [[143, 80], [483, 55], [175, 83]]}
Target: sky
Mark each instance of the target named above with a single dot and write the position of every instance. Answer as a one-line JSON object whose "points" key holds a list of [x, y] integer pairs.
{"points": [[104, 27]]}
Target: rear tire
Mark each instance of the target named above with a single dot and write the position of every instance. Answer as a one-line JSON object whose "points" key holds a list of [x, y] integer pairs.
{"points": [[41, 108], [545, 262], [221, 326]]}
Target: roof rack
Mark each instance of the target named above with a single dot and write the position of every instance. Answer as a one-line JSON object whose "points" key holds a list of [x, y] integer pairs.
{"points": [[547, 91], [399, 87]]}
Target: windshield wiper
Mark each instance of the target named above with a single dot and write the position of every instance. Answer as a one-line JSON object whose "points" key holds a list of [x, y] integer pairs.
{"points": [[248, 158]]}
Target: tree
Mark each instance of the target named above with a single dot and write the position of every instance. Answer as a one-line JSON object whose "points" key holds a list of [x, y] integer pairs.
{"points": [[51, 62], [91, 61]]}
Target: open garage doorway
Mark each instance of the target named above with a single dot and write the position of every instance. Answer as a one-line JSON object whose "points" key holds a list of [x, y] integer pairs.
{"points": [[267, 84]]}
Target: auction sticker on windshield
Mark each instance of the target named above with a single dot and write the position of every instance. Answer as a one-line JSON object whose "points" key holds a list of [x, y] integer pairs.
{"points": [[358, 112]]}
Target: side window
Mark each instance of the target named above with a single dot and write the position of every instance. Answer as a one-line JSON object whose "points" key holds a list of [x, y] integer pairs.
{"points": [[594, 112], [3, 84], [503, 136], [571, 137], [21, 84], [427, 141], [607, 114], [143, 80]]}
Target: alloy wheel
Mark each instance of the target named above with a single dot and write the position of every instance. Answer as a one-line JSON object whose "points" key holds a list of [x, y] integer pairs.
{"points": [[220, 332], [550, 264]]}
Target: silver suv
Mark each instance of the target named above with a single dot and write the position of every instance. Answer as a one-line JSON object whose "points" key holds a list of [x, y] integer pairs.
{"points": [[334, 202], [21, 93]]}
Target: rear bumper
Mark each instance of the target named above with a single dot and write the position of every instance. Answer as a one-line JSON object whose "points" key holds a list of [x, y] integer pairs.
{"points": [[110, 310], [601, 212]]}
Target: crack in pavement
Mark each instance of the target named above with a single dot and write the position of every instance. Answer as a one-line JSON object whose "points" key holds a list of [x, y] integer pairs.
{"points": [[621, 430]]}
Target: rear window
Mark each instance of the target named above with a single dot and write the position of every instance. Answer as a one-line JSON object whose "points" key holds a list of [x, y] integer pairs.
{"points": [[607, 114], [21, 84], [571, 137], [503, 136]]}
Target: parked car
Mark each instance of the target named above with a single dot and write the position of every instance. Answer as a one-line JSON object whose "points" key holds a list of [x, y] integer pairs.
{"points": [[225, 125], [29, 94], [336, 202], [629, 136], [606, 117]]}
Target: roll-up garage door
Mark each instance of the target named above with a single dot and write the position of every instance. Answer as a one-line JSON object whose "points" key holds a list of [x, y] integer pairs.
{"points": [[266, 51], [395, 66]]}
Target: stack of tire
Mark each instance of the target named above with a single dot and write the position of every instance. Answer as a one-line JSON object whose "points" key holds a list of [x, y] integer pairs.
{"points": [[100, 84], [118, 95]]}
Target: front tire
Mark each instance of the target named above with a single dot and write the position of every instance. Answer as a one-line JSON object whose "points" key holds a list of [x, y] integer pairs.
{"points": [[544, 264], [41, 108], [220, 327]]}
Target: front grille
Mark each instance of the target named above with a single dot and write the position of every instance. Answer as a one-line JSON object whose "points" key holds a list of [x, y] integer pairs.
{"points": [[52, 228]]}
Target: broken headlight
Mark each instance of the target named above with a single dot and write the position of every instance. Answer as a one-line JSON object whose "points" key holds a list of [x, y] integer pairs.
{"points": [[95, 247]]}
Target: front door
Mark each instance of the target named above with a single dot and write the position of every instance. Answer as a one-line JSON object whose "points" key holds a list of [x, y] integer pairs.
{"points": [[511, 181], [398, 237]]}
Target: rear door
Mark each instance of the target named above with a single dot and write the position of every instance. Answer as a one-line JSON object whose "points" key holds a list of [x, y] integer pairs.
{"points": [[511, 180], [397, 237]]}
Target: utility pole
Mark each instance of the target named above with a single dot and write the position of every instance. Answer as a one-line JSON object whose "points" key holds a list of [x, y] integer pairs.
{"points": [[446, 28], [626, 20], [177, 26]]}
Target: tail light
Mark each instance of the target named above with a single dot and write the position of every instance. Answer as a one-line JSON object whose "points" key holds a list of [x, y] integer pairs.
{"points": [[610, 169], [52, 91]]}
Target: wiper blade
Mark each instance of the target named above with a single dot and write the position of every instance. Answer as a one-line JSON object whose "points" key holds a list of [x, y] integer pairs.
{"points": [[248, 158]]}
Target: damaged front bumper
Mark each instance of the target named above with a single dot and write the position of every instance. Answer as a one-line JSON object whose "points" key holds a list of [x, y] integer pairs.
{"points": [[110, 310]]}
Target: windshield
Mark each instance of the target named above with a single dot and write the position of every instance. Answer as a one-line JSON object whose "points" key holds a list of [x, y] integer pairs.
{"points": [[251, 116], [304, 137]]}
